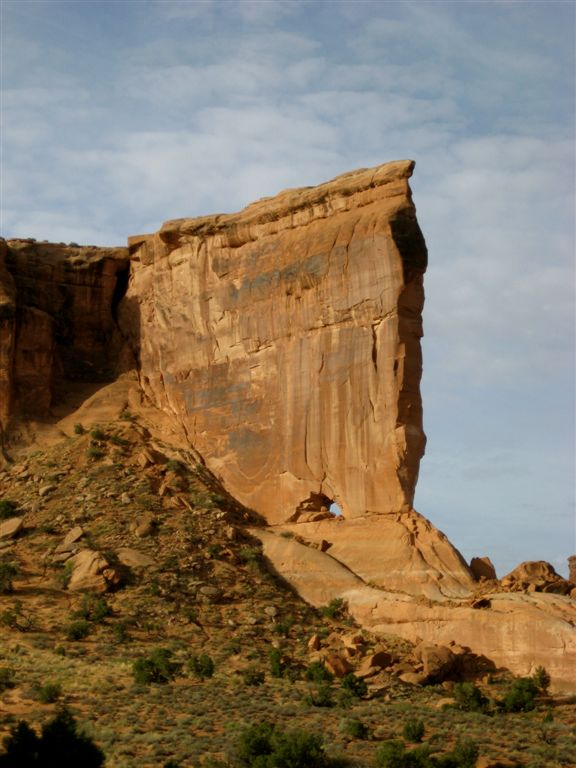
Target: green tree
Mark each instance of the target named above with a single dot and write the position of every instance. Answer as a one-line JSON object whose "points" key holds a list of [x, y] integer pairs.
{"points": [[61, 745]]}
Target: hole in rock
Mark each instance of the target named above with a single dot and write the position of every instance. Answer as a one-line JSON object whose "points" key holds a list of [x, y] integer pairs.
{"points": [[316, 507]]}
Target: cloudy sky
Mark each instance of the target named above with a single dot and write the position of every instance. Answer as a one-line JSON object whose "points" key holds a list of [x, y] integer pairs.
{"points": [[119, 115]]}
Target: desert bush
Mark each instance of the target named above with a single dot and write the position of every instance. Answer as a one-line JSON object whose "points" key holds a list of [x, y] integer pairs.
{"points": [[8, 508], [520, 697], [61, 744], [156, 668], [95, 453], [334, 609], [77, 630], [93, 608], [413, 730], [201, 666], [354, 685], [265, 746], [252, 676], [121, 632], [6, 678], [470, 698], [276, 666], [317, 673], [49, 693], [79, 429], [7, 573], [321, 696], [354, 729], [97, 434], [541, 678]]}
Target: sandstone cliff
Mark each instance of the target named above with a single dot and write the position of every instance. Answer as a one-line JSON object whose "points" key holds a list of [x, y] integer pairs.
{"points": [[57, 324], [286, 340], [282, 344]]}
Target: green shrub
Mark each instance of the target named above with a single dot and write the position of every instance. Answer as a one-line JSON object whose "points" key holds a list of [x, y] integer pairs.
{"points": [[413, 730], [78, 630], [265, 746], [321, 696], [95, 453], [201, 666], [8, 509], [7, 573], [334, 609], [61, 744], [276, 666], [6, 678], [93, 608], [470, 698], [79, 429], [157, 668], [392, 754], [354, 729], [464, 754], [520, 697], [317, 673], [121, 632], [97, 434], [253, 676], [49, 693], [541, 678], [354, 685]]}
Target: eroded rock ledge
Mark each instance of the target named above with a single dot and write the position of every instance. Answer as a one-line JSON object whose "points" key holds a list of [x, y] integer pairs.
{"points": [[286, 341]]}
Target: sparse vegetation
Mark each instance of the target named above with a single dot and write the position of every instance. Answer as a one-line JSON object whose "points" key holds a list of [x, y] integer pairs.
{"points": [[159, 667], [78, 630], [201, 666], [8, 508], [8, 572], [255, 631]]}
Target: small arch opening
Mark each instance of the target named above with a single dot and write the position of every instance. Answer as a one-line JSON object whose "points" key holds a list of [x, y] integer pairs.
{"points": [[316, 507], [335, 509]]}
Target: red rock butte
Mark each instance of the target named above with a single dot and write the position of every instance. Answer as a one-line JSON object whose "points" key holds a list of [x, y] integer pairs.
{"points": [[281, 344]]}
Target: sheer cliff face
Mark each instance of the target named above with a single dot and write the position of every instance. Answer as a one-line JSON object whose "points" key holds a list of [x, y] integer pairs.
{"points": [[286, 341], [57, 321]]}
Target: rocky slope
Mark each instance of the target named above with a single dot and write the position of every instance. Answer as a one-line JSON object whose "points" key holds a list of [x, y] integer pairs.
{"points": [[280, 347]]}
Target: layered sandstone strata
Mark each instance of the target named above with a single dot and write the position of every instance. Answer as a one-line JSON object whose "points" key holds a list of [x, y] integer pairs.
{"points": [[57, 321], [286, 341]]}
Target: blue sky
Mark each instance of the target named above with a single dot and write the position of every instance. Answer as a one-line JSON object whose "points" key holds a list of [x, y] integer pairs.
{"points": [[119, 115]]}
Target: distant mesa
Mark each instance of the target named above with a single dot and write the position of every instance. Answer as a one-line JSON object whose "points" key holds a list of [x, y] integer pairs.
{"points": [[282, 345]]}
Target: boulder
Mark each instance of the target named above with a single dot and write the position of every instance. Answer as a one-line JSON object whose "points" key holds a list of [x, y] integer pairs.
{"points": [[133, 558], [91, 572], [437, 661], [11, 527], [535, 576], [338, 665], [74, 535], [483, 569]]}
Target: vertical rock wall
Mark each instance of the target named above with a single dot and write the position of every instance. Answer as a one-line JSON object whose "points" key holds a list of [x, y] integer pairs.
{"points": [[57, 321], [286, 341]]}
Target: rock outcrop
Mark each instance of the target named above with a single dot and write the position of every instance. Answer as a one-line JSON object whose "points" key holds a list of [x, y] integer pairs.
{"points": [[281, 346], [57, 321], [286, 341]]}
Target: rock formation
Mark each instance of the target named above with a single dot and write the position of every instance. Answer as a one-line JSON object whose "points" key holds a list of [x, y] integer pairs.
{"points": [[57, 306], [286, 340], [282, 345]]}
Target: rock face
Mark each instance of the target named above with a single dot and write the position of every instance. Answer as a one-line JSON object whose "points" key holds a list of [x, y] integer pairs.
{"points": [[57, 324], [286, 341], [518, 631], [281, 345]]}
